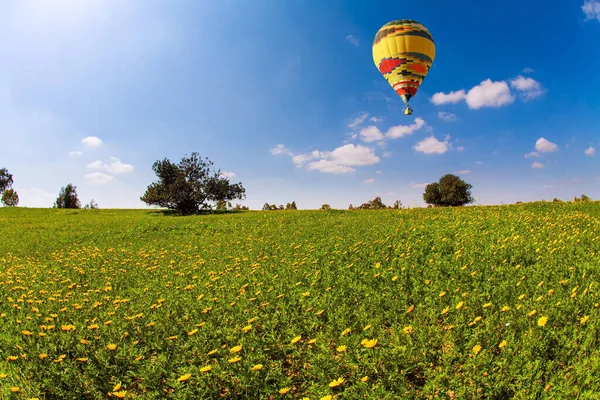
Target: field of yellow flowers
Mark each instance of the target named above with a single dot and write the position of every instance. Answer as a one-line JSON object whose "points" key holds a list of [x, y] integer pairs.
{"points": [[476, 302]]}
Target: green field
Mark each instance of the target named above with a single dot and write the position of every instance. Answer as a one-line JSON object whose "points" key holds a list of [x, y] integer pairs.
{"points": [[477, 302]]}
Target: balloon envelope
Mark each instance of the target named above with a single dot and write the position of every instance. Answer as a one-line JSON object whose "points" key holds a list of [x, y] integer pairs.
{"points": [[403, 51]]}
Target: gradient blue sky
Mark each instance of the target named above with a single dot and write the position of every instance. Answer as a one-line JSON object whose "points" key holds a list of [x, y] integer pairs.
{"points": [[284, 97]]}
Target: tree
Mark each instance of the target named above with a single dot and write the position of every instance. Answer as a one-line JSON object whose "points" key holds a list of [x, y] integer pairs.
{"points": [[10, 198], [397, 205], [325, 207], [583, 198], [291, 206], [375, 204], [91, 206], [450, 190], [67, 198], [190, 186], [6, 180]]}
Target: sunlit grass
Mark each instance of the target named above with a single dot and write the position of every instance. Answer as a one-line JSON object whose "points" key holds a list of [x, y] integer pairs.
{"points": [[477, 302]]}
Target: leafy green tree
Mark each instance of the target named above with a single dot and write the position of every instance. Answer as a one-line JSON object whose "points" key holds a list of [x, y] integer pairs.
{"points": [[190, 186], [91, 206], [67, 198], [375, 204], [10, 198], [6, 180], [450, 190], [328, 207]]}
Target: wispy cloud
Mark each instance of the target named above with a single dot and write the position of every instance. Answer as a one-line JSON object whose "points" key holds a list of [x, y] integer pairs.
{"points": [[418, 185], [447, 116], [532, 154], [529, 88], [537, 165], [374, 134], [228, 174], [431, 145], [486, 94], [492, 93], [98, 178], [591, 9], [370, 180], [338, 161], [545, 146], [92, 141], [352, 39], [115, 167], [356, 122], [75, 153], [590, 151], [280, 149]]}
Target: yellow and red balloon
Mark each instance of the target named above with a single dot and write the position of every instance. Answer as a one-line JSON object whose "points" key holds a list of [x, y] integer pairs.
{"points": [[403, 51]]}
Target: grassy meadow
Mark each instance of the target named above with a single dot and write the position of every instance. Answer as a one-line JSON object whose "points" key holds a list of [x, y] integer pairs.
{"points": [[477, 302]]}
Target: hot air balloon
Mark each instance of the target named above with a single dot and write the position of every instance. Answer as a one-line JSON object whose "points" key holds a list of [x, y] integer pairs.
{"points": [[403, 51]]}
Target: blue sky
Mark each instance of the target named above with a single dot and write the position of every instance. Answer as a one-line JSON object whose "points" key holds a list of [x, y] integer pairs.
{"points": [[285, 98]]}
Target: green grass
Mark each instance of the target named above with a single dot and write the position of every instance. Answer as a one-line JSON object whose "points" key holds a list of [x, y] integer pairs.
{"points": [[431, 285]]}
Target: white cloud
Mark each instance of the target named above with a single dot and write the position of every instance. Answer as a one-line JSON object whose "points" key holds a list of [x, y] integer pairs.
{"points": [[351, 154], [464, 172], [447, 116], [378, 172], [489, 94], [460, 148], [376, 120], [532, 154], [75, 153], [98, 178], [280, 149], [450, 98], [358, 121], [418, 185], [528, 70], [431, 145], [92, 141], [353, 40], [529, 87], [228, 174], [403, 130], [544, 146], [329, 167], [590, 151], [537, 165], [591, 8], [370, 180], [115, 167], [371, 134], [300, 159]]}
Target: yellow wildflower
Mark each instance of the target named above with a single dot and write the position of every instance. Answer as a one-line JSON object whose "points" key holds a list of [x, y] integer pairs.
{"points": [[184, 378], [542, 321], [336, 382]]}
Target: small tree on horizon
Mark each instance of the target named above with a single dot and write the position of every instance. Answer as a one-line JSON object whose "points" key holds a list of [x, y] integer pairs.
{"points": [[10, 198], [450, 190], [8, 195], [190, 186], [67, 198]]}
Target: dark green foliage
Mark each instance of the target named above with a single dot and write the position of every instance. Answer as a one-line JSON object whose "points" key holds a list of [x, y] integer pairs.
{"points": [[190, 186], [10, 198], [67, 198], [449, 191], [6, 179]]}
